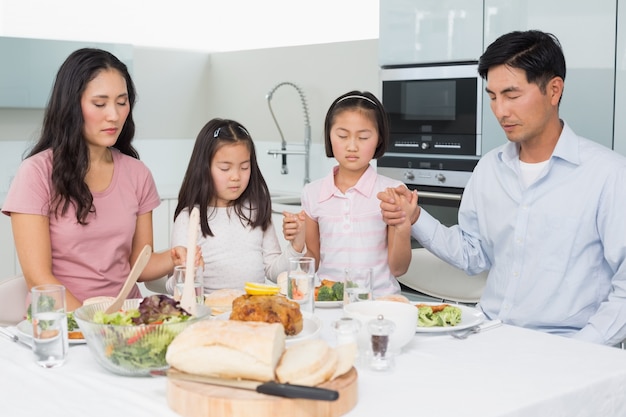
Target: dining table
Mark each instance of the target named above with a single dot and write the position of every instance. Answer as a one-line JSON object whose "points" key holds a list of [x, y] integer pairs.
{"points": [[503, 371]]}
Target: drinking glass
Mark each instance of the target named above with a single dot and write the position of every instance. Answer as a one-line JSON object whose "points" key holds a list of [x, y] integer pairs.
{"points": [[198, 283], [301, 283], [357, 285], [50, 340]]}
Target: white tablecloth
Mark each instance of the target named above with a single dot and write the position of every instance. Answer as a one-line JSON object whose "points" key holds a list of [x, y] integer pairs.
{"points": [[505, 371]]}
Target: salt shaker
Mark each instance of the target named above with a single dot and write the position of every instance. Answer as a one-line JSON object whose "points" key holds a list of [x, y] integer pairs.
{"points": [[346, 329], [380, 329]]}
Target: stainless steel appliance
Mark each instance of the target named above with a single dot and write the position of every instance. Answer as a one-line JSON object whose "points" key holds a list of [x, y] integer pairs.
{"points": [[435, 115]]}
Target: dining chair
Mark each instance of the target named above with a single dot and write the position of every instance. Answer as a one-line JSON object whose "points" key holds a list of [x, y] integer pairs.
{"points": [[436, 278], [13, 292]]}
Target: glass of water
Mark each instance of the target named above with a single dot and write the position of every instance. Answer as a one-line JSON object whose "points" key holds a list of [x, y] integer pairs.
{"points": [[198, 283], [301, 283], [50, 340], [357, 285]]}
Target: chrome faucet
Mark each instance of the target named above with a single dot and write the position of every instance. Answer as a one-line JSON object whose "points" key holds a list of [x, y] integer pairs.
{"points": [[307, 134]]}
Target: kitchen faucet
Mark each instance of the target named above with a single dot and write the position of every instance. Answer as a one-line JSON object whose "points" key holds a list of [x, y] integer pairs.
{"points": [[307, 133]]}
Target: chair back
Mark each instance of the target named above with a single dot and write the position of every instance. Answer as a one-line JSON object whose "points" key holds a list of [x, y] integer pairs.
{"points": [[13, 292]]}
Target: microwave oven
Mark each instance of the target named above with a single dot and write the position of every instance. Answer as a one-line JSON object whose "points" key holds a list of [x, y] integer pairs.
{"points": [[434, 110]]}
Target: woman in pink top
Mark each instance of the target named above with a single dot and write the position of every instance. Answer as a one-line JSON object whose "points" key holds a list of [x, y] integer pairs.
{"points": [[81, 202], [343, 223]]}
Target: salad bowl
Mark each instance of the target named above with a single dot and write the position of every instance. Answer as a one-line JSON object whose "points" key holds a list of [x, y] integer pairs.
{"points": [[125, 348]]}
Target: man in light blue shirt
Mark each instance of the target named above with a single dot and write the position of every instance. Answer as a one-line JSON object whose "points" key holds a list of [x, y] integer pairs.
{"points": [[545, 213]]}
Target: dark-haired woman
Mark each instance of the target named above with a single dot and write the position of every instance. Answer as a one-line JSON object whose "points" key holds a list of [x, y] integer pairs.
{"points": [[81, 202]]}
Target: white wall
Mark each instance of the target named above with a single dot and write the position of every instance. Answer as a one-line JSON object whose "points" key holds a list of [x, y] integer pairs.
{"points": [[179, 91]]}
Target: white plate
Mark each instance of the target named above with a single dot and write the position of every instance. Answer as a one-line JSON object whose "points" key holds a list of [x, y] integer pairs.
{"points": [[470, 317], [328, 304], [25, 329], [311, 327]]}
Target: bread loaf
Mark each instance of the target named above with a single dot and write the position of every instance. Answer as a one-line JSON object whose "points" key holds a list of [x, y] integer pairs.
{"points": [[221, 300], [228, 349]]}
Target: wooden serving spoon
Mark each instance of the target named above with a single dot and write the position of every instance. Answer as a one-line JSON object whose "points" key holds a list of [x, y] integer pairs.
{"points": [[138, 267], [188, 297]]}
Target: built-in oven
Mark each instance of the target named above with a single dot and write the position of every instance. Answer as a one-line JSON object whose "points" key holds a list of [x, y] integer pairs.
{"points": [[434, 110], [435, 115]]}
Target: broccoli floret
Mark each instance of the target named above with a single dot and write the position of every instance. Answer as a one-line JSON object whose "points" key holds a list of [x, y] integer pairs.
{"points": [[338, 291], [325, 294]]}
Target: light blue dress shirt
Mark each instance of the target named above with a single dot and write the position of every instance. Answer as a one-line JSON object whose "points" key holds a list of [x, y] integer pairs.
{"points": [[556, 251]]}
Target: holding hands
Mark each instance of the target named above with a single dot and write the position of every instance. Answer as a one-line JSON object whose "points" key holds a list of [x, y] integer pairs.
{"points": [[399, 206], [179, 256]]}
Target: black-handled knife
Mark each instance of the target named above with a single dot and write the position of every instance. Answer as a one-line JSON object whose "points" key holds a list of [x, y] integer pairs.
{"points": [[268, 388]]}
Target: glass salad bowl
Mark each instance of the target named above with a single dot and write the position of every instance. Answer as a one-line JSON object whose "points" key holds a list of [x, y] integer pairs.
{"points": [[123, 346]]}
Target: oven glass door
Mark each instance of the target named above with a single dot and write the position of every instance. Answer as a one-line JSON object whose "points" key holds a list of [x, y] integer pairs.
{"points": [[440, 107]]}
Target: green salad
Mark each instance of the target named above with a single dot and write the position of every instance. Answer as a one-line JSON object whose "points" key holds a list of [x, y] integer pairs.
{"points": [[138, 338], [43, 300], [442, 316], [332, 292]]}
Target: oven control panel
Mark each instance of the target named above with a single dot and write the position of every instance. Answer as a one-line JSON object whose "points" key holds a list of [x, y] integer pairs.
{"points": [[436, 172]]}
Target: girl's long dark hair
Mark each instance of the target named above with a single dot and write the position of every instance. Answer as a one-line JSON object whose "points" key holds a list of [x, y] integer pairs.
{"points": [[253, 207], [63, 124]]}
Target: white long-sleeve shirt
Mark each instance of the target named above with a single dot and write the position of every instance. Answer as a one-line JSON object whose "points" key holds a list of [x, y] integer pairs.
{"points": [[235, 254]]}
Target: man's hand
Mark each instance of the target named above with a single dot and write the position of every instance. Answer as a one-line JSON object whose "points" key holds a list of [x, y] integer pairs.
{"points": [[397, 204]]}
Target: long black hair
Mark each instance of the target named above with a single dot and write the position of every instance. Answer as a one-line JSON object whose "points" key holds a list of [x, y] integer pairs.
{"points": [[63, 124], [253, 207]]}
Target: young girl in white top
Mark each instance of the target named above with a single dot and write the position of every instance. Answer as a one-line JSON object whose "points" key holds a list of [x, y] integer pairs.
{"points": [[237, 238], [343, 222]]}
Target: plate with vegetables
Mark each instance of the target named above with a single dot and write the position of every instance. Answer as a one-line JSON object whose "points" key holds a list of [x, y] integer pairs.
{"points": [[75, 336], [442, 317], [329, 294]]}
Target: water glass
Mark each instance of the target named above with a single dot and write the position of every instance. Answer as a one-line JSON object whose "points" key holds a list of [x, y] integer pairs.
{"points": [[301, 283], [198, 282], [357, 285], [50, 339]]}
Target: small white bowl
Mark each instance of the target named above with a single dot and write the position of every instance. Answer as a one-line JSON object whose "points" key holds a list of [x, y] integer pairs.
{"points": [[403, 315]]}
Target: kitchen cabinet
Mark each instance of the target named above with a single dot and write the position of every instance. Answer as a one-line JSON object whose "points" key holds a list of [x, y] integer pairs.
{"points": [[29, 67], [588, 99], [429, 31]]}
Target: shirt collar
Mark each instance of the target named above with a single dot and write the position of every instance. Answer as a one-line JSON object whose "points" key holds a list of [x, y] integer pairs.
{"points": [[566, 148], [365, 185]]}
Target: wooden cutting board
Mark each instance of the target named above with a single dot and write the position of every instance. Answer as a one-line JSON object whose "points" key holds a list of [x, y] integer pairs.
{"points": [[193, 399]]}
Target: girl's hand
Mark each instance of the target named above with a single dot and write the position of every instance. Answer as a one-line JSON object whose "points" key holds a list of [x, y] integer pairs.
{"points": [[179, 256], [293, 229]]}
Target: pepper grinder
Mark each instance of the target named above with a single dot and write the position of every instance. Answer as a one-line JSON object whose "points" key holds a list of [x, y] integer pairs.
{"points": [[380, 329]]}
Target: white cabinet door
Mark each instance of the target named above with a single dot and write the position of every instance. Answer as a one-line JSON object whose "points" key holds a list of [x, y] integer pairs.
{"points": [[429, 31], [589, 47]]}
